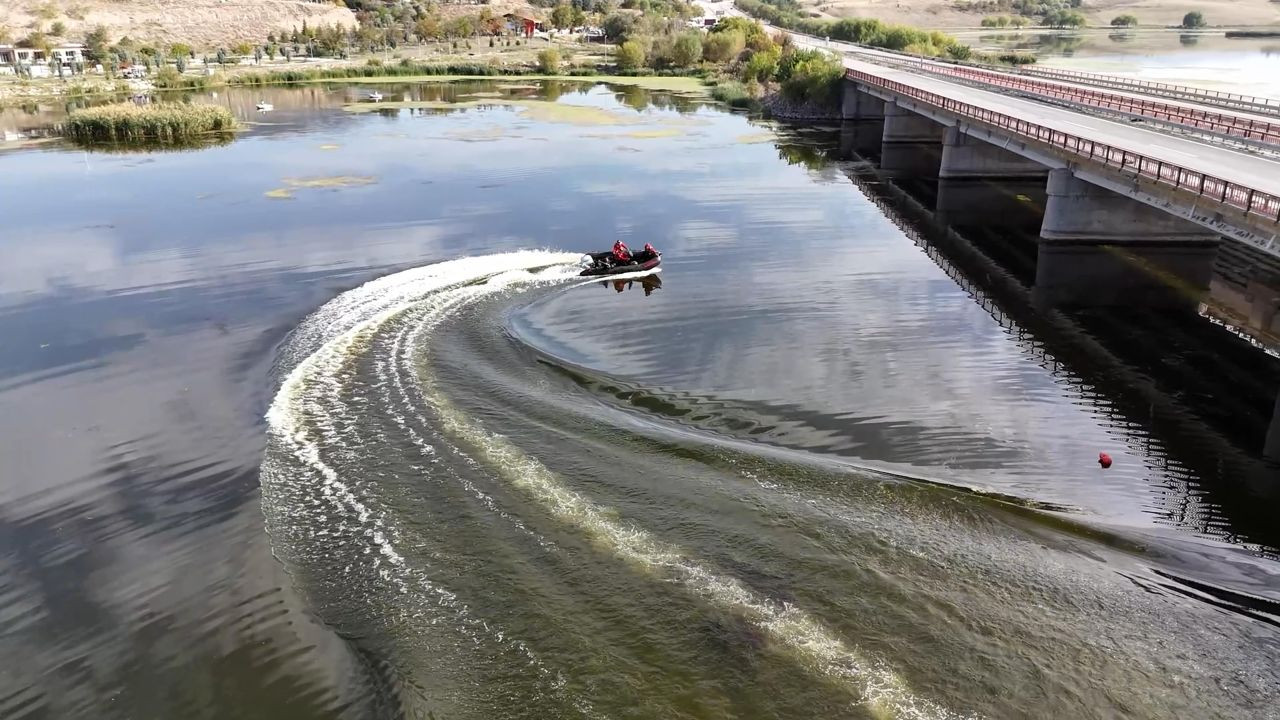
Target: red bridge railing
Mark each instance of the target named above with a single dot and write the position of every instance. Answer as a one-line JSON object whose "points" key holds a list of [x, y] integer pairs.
{"points": [[1233, 125], [1252, 202], [1215, 97]]}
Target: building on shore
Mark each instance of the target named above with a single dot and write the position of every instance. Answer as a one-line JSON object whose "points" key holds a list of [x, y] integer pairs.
{"points": [[66, 55]]}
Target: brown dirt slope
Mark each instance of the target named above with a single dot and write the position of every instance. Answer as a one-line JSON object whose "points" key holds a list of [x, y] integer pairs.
{"points": [[200, 23]]}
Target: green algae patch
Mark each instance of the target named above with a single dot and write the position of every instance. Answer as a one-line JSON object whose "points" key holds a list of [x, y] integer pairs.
{"points": [[540, 110], [335, 181], [640, 134], [554, 112], [313, 183], [677, 84], [484, 134]]}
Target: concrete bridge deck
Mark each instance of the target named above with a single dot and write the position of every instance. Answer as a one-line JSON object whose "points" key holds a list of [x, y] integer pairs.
{"points": [[1251, 171], [1231, 193]]}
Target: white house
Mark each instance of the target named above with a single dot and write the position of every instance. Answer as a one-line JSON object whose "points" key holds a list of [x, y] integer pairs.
{"points": [[66, 55]]}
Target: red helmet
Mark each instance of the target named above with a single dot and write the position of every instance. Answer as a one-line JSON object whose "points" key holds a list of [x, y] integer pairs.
{"points": [[648, 247]]}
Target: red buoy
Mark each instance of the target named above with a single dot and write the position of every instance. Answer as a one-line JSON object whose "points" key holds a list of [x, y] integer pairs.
{"points": [[1104, 460]]}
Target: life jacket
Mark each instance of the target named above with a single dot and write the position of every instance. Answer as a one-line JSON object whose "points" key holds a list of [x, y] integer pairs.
{"points": [[620, 251]]}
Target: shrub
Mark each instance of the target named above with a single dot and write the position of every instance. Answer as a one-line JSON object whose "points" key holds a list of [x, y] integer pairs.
{"points": [[168, 78], [549, 61], [631, 55], [165, 123], [1124, 21], [816, 80], [734, 94], [687, 49], [724, 46], [58, 29], [1193, 19], [959, 52], [761, 66]]}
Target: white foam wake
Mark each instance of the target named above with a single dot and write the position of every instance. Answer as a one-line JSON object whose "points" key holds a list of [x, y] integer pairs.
{"points": [[883, 691], [301, 419]]}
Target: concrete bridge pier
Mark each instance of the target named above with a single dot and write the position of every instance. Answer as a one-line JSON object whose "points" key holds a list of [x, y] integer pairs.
{"points": [[911, 145], [1271, 448], [857, 104], [861, 138], [982, 183], [1098, 247]]}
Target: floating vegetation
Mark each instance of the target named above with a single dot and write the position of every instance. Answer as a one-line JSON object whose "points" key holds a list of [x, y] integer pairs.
{"points": [[641, 134], [754, 138], [332, 182], [540, 110], [164, 123], [555, 112], [484, 134]]}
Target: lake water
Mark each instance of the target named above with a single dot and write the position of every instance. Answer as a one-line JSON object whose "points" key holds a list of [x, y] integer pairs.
{"points": [[1208, 59], [321, 423]]}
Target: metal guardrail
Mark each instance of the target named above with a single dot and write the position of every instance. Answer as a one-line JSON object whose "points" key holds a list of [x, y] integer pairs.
{"points": [[1252, 202], [1204, 119], [1182, 92]]}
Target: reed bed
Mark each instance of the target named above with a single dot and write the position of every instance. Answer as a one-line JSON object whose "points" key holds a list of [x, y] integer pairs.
{"points": [[161, 123]]}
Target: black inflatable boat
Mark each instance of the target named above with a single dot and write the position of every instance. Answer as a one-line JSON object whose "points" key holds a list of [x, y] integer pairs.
{"points": [[603, 263]]}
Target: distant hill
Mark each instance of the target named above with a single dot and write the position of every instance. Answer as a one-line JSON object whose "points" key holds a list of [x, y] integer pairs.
{"points": [[200, 23]]}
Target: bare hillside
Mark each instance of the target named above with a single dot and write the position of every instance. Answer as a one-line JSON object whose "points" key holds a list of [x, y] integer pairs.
{"points": [[201, 23]]}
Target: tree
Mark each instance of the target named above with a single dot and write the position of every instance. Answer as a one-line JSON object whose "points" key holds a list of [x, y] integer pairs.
{"points": [[562, 17], [460, 27], [549, 61], [427, 28], [687, 49], [95, 45], [1124, 21], [242, 49], [1193, 19], [273, 50], [58, 29], [489, 23], [618, 27], [222, 56], [181, 50], [579, 18], [1064, 19], [180, 62], [257, 54], [631, 55], [287, 52]]}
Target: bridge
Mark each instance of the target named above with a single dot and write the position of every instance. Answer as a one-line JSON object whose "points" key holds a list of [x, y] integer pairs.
{"points": [[1141, 182]]}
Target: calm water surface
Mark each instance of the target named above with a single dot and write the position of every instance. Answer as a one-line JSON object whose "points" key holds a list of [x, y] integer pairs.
{"points": [[321, 424], [1208, 59]]}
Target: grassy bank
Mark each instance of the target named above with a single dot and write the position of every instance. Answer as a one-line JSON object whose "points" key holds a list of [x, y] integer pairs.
{"points": [[414, 72], [163, 123]]}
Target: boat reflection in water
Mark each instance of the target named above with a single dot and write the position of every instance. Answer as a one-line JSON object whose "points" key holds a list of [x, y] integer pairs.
{"points": [[649, 283]]}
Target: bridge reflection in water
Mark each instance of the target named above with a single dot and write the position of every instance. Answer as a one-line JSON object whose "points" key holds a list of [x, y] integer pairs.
{"points": [[1195, 387]]}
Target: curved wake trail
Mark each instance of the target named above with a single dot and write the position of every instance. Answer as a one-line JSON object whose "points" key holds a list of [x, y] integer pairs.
{"points": [[308, 419]]}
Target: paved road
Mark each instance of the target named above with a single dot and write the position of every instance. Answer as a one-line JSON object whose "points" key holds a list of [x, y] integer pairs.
{"points": [[1258, 173], [1229, 112]]}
